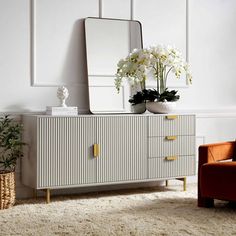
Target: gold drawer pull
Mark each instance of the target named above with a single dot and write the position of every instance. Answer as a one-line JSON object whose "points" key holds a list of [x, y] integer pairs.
{"points": [[171, 158], [171, 137], [171, 117], [96, 150]]}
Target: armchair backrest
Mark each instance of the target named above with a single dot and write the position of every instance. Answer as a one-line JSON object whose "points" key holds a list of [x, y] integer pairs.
{"points": [[217, 152]]}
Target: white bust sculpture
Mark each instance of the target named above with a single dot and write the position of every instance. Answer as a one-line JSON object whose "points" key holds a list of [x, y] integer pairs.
{"points": [[62, 94]]}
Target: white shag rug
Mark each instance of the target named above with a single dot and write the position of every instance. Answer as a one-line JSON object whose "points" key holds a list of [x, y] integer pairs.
{"points": [[146, 211]]}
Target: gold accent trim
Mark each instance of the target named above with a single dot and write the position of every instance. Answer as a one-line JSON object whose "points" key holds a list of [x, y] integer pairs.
{"points": [[185, 183], [184, 179], [171, 158], [48, 196], [171, 117], [96, 150], [171, 137]]}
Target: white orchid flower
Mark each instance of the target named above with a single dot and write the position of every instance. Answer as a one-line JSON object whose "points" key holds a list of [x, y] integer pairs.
{"points": [[158, 61]]}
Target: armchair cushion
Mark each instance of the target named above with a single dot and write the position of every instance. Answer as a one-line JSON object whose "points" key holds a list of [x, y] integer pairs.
{"points": [[218, 180]]}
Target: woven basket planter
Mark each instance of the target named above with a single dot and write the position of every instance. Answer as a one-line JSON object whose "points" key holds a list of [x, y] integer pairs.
{"points": [[7, 190]]}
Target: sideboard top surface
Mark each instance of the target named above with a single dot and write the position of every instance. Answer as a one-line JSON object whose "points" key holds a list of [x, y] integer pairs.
{"points": [[112, 115]]}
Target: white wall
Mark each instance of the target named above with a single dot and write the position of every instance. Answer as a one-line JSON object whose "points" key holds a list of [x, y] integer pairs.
{"points": [[212, 50], [31, 66], [42, 46]]}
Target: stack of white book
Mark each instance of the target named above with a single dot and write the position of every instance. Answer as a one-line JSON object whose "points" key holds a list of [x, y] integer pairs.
{"points": [[62, 111]]}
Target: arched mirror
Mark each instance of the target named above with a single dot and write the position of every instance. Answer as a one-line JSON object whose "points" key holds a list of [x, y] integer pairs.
{"points": [[108, 41]]}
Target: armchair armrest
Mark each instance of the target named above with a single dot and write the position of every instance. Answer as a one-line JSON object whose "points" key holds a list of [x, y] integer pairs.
{"points": [[216, 152]]}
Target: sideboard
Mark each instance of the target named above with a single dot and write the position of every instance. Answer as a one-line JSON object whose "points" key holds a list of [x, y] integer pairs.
{"points": [[87, 150]]}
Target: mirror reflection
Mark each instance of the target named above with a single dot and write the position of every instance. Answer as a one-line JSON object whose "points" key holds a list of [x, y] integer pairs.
{"points": [[108, 41]]}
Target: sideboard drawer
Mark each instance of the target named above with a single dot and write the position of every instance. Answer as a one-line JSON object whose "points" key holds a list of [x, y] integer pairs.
{"points": [[171, 145], [163, 168], [171, 125]]}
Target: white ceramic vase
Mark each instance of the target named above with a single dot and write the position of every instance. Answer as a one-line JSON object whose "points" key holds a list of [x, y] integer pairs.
{"points": [[161, 107], [138, 108]]}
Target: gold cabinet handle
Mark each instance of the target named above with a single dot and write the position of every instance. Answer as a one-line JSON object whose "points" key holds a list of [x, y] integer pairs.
{"points": [[171, 117], [171, 158], [171, 137], [96, 150]]}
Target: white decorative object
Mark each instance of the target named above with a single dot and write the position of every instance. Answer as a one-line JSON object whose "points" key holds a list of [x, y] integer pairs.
{"points": [[61, 111], [160, 107], [62, 94]]}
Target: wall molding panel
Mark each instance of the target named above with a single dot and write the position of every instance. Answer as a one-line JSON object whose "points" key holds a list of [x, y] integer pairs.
{"points": [[182, 17], [217, 113], [36, 80], [131, 9], [118, 9], [100, 9], [187, 35]]}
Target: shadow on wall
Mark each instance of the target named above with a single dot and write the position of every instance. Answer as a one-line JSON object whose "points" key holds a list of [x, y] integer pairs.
{"points": [[75, 64], [16, 107]]}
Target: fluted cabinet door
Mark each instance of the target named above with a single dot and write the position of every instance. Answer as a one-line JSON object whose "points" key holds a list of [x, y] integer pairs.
{"points": [[123, 148], [65, 151]]}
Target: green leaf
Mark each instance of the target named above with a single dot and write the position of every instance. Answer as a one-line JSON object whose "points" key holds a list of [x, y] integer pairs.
{"points": [[10, 143]]}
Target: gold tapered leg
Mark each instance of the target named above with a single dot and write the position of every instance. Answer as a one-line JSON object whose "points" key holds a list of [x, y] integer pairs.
{"points": [[167, 183], [48, 195], [185, 183], [184, 179]]}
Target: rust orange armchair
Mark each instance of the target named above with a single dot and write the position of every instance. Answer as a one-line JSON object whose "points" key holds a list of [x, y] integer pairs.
{"points": [[216, 173]]}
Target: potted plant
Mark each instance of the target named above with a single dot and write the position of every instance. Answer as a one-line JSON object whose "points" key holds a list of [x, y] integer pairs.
{"points": [[157, 63], [161, 102], [139, 99], [10, 151], [138, 102], [153, 98]]}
